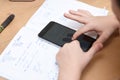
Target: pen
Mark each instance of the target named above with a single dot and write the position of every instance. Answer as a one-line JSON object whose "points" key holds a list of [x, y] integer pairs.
{"points": [[6, 22]]}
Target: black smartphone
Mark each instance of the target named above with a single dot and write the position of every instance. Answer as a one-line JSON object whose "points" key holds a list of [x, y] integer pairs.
{"points": [[60, 34]]}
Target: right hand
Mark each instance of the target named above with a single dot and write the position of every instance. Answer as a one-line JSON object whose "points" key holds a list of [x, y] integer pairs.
{"points": [[72, 60], [103, 25]]}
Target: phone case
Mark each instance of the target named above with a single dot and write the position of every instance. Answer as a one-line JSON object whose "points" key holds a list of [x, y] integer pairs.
{"points": [[21, 0]]}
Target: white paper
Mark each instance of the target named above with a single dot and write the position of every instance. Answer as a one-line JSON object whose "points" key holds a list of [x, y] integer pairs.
{"points": [[53, 10], [29, 57], [28, 54]]}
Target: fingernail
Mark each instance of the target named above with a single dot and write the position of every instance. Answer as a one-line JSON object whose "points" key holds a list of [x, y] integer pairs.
{"points": [[72, 38], [99, 45]]}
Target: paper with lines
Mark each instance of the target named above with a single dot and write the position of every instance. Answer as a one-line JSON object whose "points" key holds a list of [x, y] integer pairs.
{"points": [[28, 53]]}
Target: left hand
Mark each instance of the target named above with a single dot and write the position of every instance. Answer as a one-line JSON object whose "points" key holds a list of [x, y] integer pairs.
{"points": [[103, 25]]}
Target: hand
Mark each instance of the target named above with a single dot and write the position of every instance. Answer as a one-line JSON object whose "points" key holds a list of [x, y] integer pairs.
{"points": [[72, 60], [103, 25]]}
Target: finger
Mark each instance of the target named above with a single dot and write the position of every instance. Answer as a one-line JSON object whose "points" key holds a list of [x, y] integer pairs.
{"points": [[85, 12], [76, 43], [94, 49], [76, 18], [82, 30], [66, 44], [102, 38], [79, 13], [75, 13]]}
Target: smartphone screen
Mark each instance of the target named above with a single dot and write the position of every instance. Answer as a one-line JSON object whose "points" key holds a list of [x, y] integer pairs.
{"points": [[60, 34]]}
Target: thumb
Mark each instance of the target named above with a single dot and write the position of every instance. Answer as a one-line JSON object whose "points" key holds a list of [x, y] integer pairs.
{"points": [[95, 48], [82, 30]]}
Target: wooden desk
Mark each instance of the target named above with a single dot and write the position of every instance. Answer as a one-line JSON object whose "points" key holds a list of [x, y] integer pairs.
{"points": [[104, 66]]}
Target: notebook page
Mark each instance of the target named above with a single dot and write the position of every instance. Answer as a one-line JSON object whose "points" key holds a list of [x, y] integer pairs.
{"points": [[27, 55]]}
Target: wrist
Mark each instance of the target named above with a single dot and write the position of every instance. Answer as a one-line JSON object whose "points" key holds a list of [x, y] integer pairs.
{"points": [[69, 74]]}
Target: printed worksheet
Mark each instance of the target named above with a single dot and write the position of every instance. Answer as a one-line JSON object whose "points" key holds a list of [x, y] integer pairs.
{"points": [[29, 57]]}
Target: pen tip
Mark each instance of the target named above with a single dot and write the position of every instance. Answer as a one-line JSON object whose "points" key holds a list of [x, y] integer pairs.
{"points": [[12, 15]]}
